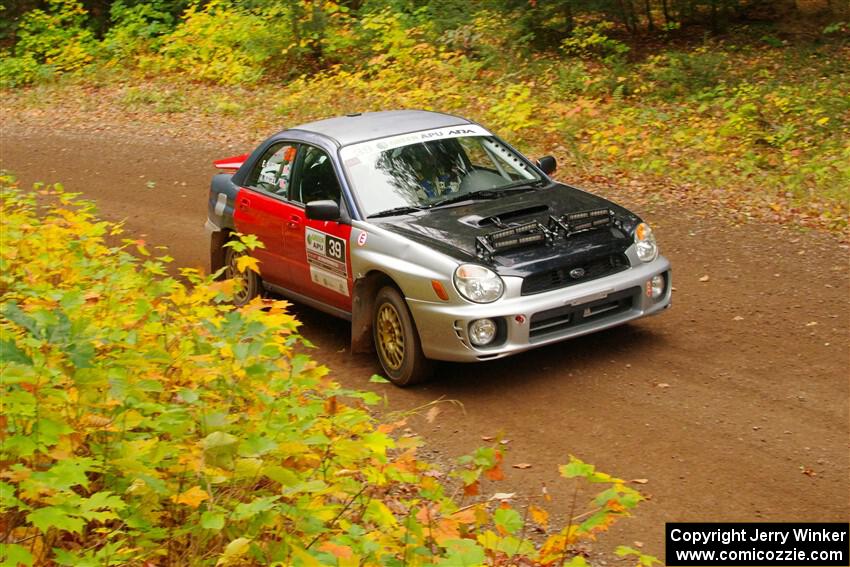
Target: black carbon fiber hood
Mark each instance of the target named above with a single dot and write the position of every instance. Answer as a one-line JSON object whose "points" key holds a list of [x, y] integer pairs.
{"points": [[452, 230]]}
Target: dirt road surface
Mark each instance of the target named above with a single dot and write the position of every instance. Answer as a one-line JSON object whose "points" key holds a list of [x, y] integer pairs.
{"points": [[733, 405]]}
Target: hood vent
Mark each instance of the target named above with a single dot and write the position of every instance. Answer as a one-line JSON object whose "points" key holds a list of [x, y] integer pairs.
{"points": [[534, 232], [501, 218]]}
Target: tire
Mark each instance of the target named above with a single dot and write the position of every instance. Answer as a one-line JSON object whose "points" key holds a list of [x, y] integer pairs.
{"points": [[396, 340], [250, 283]]}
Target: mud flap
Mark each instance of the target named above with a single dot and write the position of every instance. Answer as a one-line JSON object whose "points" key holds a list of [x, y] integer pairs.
{"points": [[362, 305], [217, 240]]}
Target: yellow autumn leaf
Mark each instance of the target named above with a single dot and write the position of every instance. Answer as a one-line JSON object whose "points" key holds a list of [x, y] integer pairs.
{"points": [[539, 515], [192, 497], [378, 512], [234, 550], [353, 561], [247, 262]]}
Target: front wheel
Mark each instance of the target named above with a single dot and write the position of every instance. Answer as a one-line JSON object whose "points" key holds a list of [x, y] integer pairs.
{"points": [[248, 280], [397, 341]]}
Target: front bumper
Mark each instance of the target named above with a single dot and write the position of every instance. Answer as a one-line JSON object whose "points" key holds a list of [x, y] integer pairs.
{"points": [[530, 321]]}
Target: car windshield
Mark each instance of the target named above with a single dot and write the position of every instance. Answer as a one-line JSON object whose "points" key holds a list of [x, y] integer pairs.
{"points": [[425, 169]]}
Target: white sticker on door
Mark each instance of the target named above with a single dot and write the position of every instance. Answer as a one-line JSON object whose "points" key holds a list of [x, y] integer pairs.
{"points": [[326, 257], [328, 280]]}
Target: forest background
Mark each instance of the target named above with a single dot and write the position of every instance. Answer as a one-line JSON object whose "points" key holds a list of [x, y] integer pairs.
{"points": [[742, 103]]}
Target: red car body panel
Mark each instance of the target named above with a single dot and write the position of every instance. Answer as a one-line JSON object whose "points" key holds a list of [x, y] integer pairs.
{"points": [[317, 266], [263, 216]]}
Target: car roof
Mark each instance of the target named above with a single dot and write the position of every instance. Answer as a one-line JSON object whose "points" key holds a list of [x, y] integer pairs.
{"points": [[361, 127]]}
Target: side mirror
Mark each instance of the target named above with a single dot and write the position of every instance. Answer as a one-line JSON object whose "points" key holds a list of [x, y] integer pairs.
{"points": [[322, 210], [547, 164]]}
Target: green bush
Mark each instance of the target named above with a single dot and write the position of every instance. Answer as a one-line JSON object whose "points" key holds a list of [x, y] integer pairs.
{"points": [[594, 41], [135, 29], [16, 71], [224, 43], [148, 422], [56, 40], [681, 74]]}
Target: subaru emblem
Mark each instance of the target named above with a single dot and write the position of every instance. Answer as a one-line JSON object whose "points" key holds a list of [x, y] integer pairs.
{"points": [[577, 273]]}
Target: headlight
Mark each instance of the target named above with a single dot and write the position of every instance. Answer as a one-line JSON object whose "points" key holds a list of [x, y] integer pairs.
{"points": [[645, 246], [478, 284]]}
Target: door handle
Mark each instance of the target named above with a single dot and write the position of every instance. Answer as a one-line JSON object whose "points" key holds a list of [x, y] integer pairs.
{"points": [[244, 203], [294, 221]]}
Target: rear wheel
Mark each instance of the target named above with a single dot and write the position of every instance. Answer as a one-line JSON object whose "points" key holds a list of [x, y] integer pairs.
{"points": [[248, 280], [396, 340]]}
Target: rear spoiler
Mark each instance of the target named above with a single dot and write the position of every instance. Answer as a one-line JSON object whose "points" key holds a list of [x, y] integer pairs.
{"points": [[230, 164]]}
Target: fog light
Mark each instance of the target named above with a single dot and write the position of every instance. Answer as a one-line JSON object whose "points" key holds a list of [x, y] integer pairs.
{"points": [[482, 331], [656, 286]]}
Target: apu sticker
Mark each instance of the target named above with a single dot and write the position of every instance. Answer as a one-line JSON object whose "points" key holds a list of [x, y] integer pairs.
{"points": [[326, 256], [361, 239]]}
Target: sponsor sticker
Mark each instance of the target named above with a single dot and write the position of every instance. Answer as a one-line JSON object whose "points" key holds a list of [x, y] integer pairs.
{"points": [[361, 238], [366, 148], [328, 280], [326, 257]]}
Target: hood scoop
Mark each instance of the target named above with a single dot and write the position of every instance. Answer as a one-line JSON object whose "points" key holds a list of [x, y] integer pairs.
{"points": [[535, 232], [500, 219]]}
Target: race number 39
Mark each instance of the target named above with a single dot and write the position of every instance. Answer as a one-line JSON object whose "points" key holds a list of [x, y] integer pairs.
{"points": [[335, 248]]}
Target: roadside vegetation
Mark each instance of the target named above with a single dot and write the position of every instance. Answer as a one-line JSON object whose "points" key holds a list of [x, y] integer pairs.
{"points": [[741, 103], [146, 421]]}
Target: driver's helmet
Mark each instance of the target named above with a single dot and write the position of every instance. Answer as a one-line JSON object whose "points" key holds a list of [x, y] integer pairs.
{"points": [[436, 164]]}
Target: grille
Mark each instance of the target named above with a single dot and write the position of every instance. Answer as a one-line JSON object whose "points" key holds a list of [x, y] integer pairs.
{"points": [[544, 323], [560, 277]]}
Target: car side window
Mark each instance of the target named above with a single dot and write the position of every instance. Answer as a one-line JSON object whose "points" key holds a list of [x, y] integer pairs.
{"points": [[273, 172], [476, 154], [484, 155], [315, 179]]}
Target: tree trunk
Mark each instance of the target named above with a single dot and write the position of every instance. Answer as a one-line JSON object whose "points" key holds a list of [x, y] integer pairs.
{"points": [[715, 29], [648, 9], [627, 14], [665, 9]]}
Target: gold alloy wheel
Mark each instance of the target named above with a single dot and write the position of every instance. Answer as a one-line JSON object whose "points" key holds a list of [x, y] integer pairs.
{"points": [[390, 336], [231, 271]]}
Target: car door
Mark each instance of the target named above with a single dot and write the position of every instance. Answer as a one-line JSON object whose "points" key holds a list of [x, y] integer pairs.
{"points": [[318, 250], [262, 208]]}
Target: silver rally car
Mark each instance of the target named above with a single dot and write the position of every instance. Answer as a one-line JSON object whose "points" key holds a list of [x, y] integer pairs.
{"points": [[435, 238]]}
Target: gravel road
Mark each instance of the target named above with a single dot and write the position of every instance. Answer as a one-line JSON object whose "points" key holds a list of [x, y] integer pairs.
{"points": [[732, 406]]}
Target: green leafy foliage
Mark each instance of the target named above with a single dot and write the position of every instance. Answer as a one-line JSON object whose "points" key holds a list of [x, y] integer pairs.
{"points": [[49, 42], [146, 421], [588, 41], [136, 29]]}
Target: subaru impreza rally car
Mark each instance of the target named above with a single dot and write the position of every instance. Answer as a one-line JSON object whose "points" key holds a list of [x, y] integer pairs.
{"points": [[435, 238]]}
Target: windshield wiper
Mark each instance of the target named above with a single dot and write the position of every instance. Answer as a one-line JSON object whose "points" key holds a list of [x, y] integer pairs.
{"points": [[395, 211], [524, 185]]}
